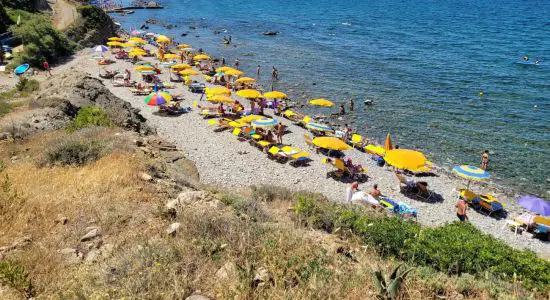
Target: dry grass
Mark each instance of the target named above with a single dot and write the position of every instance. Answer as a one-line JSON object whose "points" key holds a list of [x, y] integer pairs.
{"points": [[242, 232], [106, 193]]}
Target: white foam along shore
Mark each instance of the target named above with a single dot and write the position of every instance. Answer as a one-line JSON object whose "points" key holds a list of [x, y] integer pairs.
{"points": [[224, 161]]}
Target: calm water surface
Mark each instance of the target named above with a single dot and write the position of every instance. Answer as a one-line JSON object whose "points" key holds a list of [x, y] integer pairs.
{"points": [[423, 63]]}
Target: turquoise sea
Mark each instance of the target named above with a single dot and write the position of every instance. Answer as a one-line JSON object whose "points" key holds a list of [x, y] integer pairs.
{"points": [[423, 63]]}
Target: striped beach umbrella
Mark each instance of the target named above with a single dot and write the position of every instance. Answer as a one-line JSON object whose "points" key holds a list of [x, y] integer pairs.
{"points": [[471, 173], [152, 72], [264, 122], [319, 127], [101, 48], [159, 98]]}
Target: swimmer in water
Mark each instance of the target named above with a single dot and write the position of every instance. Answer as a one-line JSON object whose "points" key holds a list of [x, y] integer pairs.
{"points": [[526, 58]]}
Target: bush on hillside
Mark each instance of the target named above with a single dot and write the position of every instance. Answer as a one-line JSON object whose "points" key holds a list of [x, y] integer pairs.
{"points": [[41, 40], [26, 85], [452, 248], [89, 116], [73, 153]]}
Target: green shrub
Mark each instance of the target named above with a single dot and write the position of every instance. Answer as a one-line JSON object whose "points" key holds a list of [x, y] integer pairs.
{"points": [[5, 107], [453, 248], [41, 40], [73, 152], [14, 275], [479, 253], [27, 85], [89, 116], [28, 5]]}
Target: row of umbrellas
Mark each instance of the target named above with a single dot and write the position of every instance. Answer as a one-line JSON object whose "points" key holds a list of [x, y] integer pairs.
{"points": [[398, 158]]}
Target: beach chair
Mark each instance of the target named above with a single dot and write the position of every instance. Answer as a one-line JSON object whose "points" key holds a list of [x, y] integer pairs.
{"points": [[295, 155], [275, 153], [540, 220], [356, 141], [482, 203], [303, 122], [423, 191], [405, 186]]}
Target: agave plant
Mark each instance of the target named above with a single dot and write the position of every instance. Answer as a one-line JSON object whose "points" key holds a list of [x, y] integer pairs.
{"points": [[389, 288]]}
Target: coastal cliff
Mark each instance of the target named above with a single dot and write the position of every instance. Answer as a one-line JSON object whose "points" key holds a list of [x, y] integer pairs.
{"points": [[93, 27]]}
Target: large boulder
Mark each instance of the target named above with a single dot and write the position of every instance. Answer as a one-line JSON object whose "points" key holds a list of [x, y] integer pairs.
{"points": [[80, 90], [93, 27]]}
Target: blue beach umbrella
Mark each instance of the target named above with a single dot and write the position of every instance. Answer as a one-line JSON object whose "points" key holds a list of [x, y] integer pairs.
{"points": [[148, 72], [318, 126], [471, 173], [264, 122]]}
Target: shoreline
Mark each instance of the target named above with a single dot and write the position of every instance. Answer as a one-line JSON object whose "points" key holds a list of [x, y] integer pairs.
{"points": [[224, 161]]}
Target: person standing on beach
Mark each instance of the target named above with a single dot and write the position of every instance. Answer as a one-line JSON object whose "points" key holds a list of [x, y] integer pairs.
{"points": [[461, 207], [237, 63], [485, 159], [258, 71], [351, 190], [46, 66], [351, 104], [223, 61], [182, 57], [280, 132]]}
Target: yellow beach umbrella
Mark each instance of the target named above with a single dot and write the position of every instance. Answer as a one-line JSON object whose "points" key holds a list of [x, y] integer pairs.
{"points": [[387, 144], [321, 102], [201, 57], [405, 159], [249, 94], [114, 44], [224, 69], [331, 143], [233, 72], [245, 80], [126, 45], [189, 72], [218, 91], [275, 95], [116, 38], [220, 99], [163, 39], [183, 46], [180, 67], [373, 149], [144, 68], [249, 118], [137, 40], [171, 56], [135, 54]]}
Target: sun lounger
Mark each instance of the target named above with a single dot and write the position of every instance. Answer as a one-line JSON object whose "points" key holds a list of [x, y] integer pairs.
{"points": [[304, 121], [275, 153], [400, 208], [206, 113], [539, 220], [343, 171], [295, 155], [356, 141], [486, 203], [423, 191]]}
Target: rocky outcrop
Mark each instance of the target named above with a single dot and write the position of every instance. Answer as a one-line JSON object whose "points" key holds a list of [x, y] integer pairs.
{"points": [[93, 27], [79, 90]]}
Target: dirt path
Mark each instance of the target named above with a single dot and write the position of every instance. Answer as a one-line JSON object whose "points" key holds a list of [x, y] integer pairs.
{"points": [[64, 13]]}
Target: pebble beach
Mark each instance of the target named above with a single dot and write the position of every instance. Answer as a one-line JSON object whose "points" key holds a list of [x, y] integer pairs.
{"points": [[224, 161]]}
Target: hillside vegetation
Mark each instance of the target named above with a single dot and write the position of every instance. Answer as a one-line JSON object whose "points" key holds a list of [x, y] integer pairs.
{"points": [[107, 217]]}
